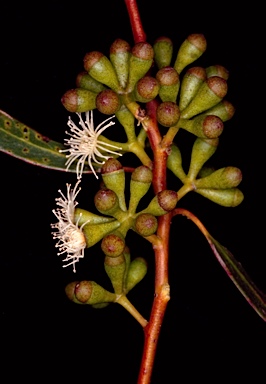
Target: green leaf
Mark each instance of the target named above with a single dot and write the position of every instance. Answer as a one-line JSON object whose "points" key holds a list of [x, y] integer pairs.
{"points": [[240, 278], [23, 142], [234, 270]]}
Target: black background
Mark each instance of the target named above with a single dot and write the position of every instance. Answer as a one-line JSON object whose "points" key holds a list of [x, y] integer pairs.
{"points": [[210, 331]]}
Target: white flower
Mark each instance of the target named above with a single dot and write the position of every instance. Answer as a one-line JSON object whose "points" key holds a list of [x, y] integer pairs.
{"points": [[71, 239], [84, 143]]}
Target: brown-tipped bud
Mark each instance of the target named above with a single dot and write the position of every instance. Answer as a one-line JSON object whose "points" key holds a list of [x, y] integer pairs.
{"points": [[140, 182], [164, 202], [210, 93], [174, 163], [119, 56], [140, 61], [217, 70], [225, 110], [224, 178], [84, 80], [88, 292], [167, 114], [205, 126], [142, 174], [108, 102], [113, 245], [106, 201], [163, 51], [101, 69], [202, 151], [190, 84], [146, 89], [136, 272], [190, 50], [169, 83], [115, 267], [79, 100], [113, 175], [111, 165], [145, 224], [70, 291], [226, 197]]}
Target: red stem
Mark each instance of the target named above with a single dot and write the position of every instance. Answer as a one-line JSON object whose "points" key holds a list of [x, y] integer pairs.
{"points": [[161, 248], [135, 21], [161, 252]]}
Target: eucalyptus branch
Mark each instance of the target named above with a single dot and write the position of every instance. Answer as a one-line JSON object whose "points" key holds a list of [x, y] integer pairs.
{"points": [[144, 89]]}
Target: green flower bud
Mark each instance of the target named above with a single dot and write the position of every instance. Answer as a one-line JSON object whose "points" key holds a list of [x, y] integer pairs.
{"points": [[88, 292], [119, 56], [108, 102], [82, 216], [146, 89], [145, 224], [224, 178], [225, 110], [127, 120], [163, 51], [217, 70], [140, 183], [202, 150], [204, 126], [164, 202], [210, 93], [101, 69], [168, 113], [190, 85], [140, 62], [225, 197], [113, 175], [95, 232], [190, 50], [100, 305], [115, 268], [79, 100], [206, 171], [174, 162], [169, 83], [127, 257], [136, 272], [84, 80]]}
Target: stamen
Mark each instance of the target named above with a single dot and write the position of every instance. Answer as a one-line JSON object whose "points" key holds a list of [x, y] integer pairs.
{"points": [[84, 144]]}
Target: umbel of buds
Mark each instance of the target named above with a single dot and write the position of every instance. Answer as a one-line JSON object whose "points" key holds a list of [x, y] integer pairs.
{"points": [[115, 85], [118, 85]]}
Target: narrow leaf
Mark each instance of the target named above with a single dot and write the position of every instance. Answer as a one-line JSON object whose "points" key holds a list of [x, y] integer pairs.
{"points": [[255, 297], [23, 142], [240, 278]]}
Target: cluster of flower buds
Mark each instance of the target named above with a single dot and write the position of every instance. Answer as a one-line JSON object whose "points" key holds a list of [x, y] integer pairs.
{"points": [[110, 200], [219, 186], [195, 102], [78, 229], [118, 85], [124, 274], [145, 72]]}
